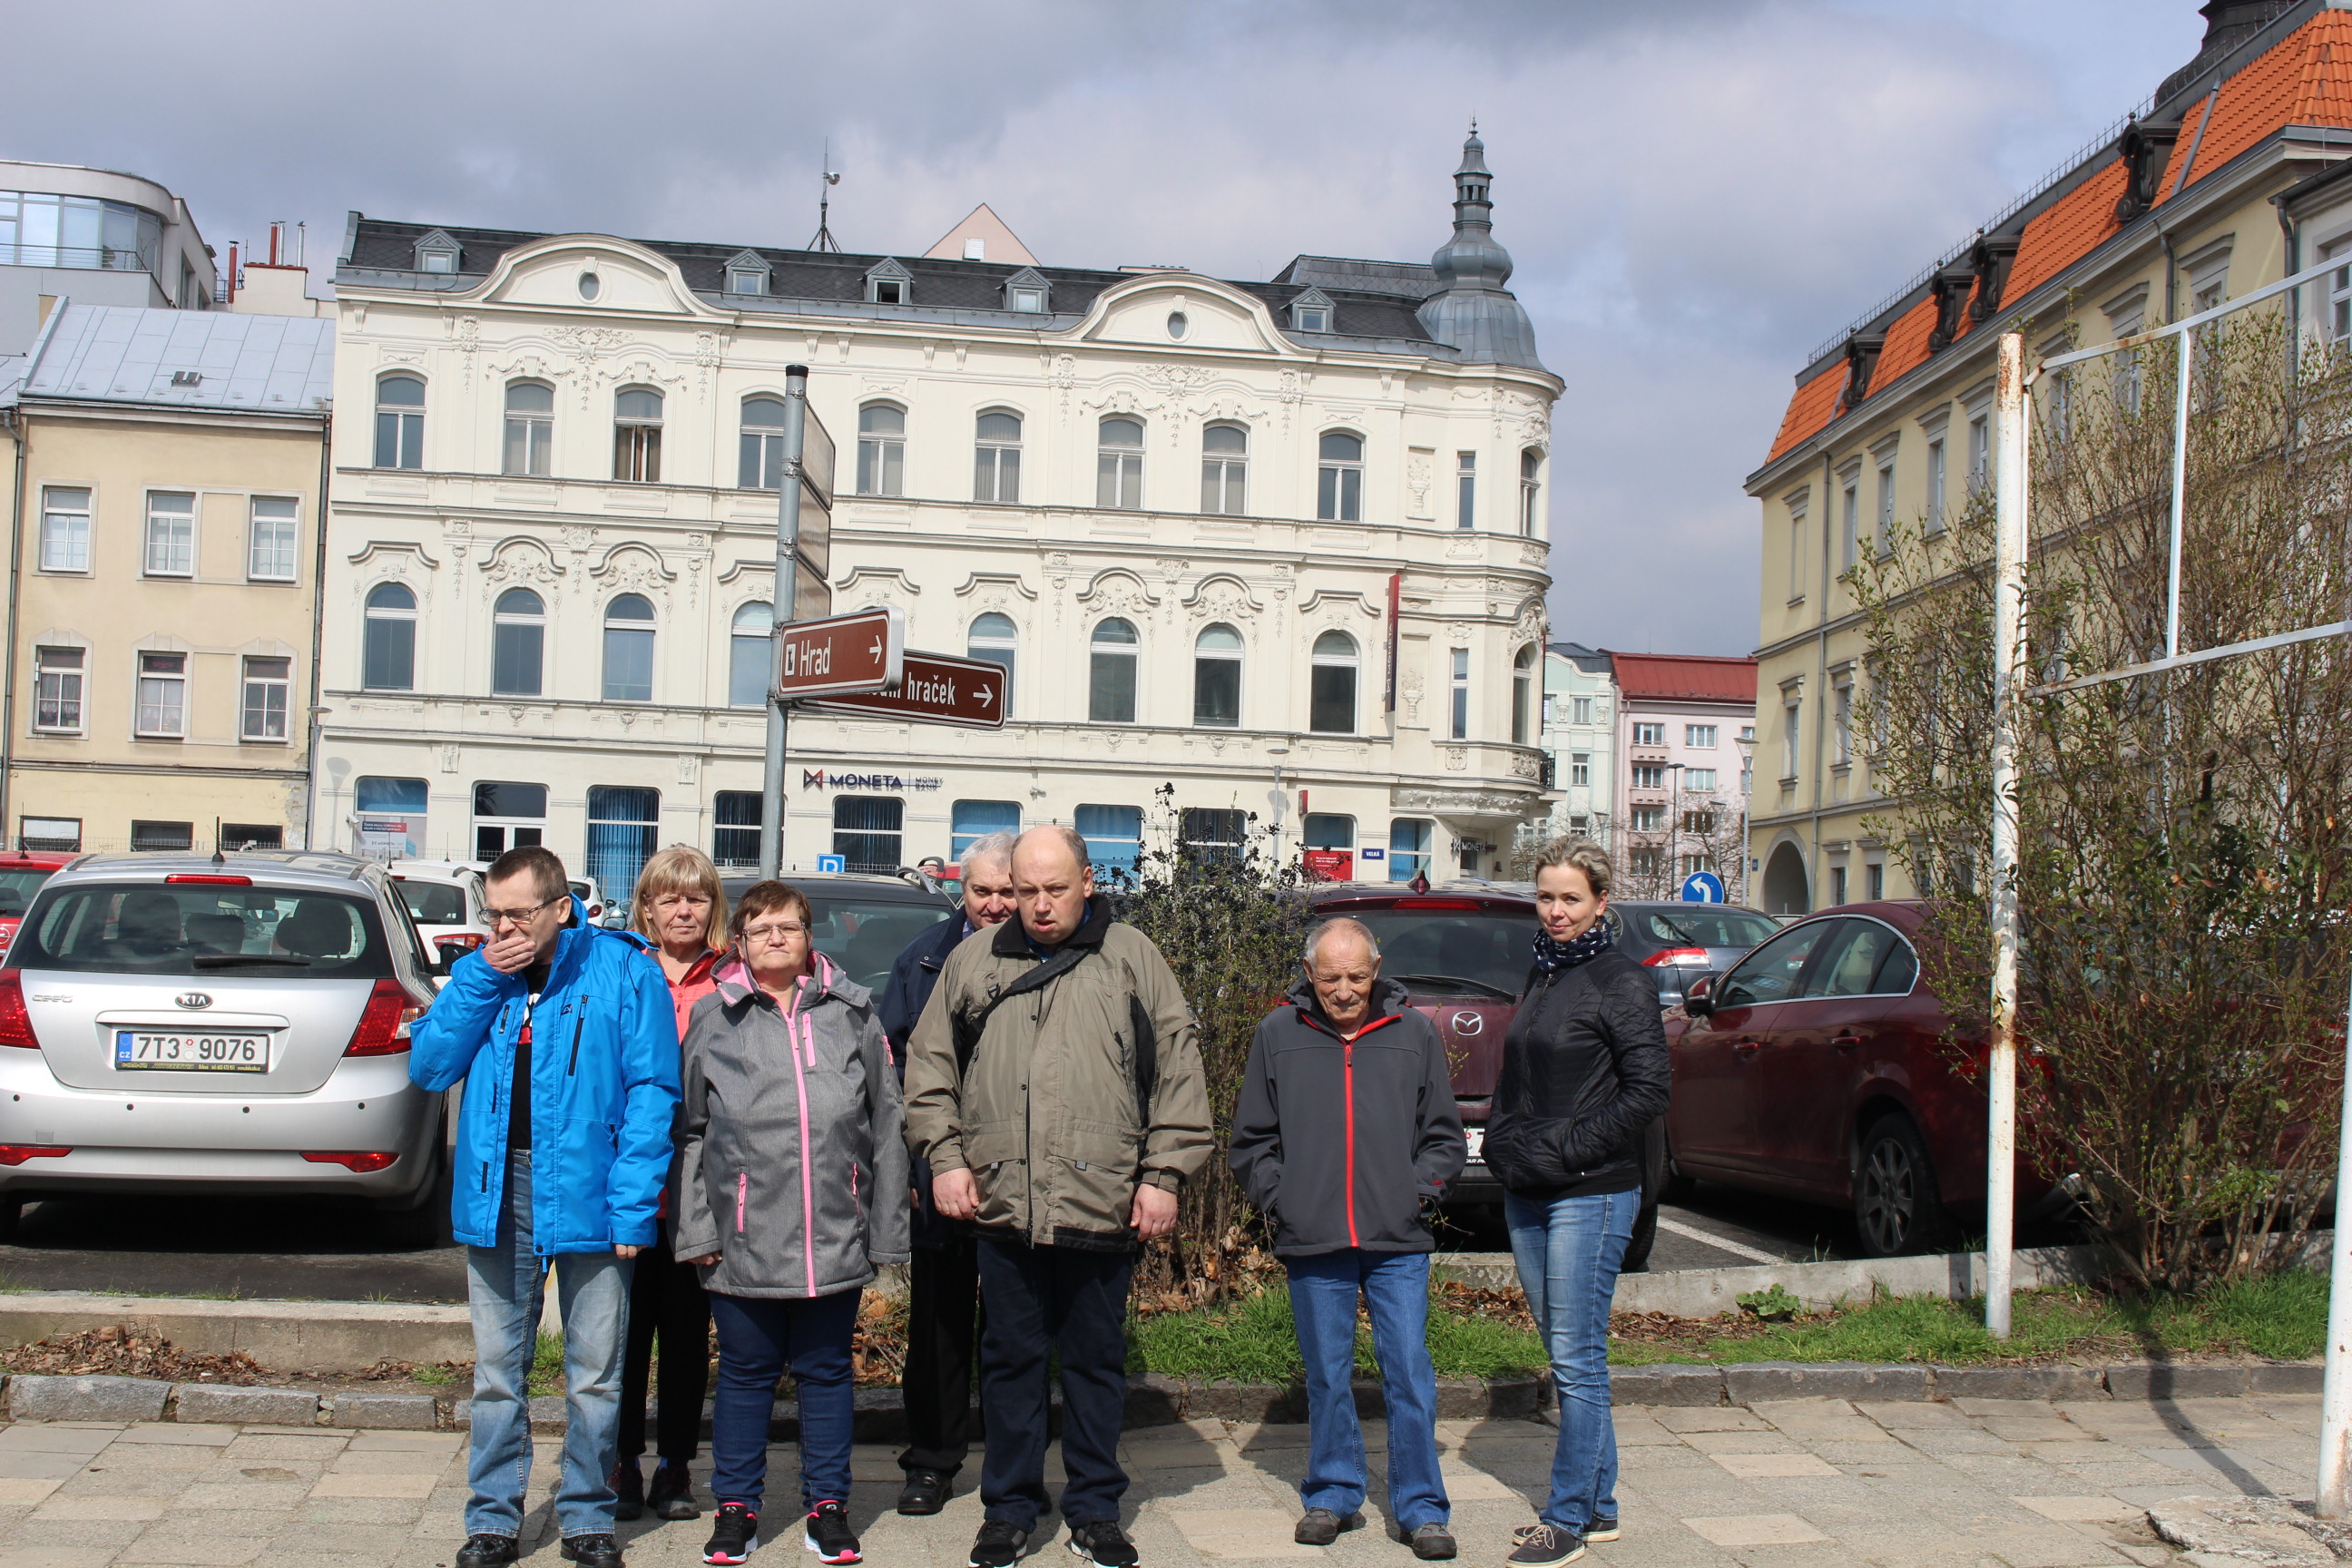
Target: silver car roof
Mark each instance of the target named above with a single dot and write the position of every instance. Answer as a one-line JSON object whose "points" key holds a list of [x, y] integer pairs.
{"points": [[282, 868]]}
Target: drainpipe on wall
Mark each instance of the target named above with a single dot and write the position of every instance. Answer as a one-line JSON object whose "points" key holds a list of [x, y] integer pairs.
{"points": [[318, 629], [2291, 231], [2171, 275]]}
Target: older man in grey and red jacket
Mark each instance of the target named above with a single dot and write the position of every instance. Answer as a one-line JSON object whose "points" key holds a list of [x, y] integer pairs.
{"points": [[1345, 1138]]}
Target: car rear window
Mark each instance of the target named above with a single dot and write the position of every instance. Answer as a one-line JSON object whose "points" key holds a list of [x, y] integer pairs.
{"points": [[1425, 948], [863, 937], [151, 929], [1702, 926], [17, 887], [435, 903]]}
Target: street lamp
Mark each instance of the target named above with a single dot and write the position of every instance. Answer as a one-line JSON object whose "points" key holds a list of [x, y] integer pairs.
{"points": [[1746, 741], [1673, 824]]}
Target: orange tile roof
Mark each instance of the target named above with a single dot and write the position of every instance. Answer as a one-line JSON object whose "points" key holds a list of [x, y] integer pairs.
{"points": [[2305, 78], [1686, 676]]}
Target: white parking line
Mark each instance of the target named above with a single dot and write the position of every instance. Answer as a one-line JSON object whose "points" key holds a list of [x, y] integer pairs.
{"points": [[1736, 1249]]}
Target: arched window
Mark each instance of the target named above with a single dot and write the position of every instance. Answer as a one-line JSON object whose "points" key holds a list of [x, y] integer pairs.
{"points": [[760, 465], [995, 639], [530, 428], [517, 643], [749, 645], [636, 435], [1225, 469], [1339, 487], [1522, 697], [1530, 489], [996, 463], [1332, 685], [1119, 470], [399, 422], [881, 450], [1217, 677], [1111, 673], [388, 643], [629, 650]]}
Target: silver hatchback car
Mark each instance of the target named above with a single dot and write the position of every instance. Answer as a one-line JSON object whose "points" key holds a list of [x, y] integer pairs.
{"points": [[235, 1024]]}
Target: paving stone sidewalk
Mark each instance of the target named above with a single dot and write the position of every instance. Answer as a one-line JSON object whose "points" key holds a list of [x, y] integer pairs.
{"points": [[1812, 1483]]}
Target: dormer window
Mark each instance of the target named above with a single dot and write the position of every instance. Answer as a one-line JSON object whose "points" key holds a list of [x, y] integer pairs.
{"points": [[1027, 292], [437, 252], [747, 273], [888, 284], [1311, 312]]}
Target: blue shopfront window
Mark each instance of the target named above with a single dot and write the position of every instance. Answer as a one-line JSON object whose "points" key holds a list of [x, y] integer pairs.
{"points": [[1114, 836], [974, 819]]}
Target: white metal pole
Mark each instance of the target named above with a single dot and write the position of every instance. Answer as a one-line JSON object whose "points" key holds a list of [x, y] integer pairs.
{"points": [[2335, 1385], [2008, 646], [2180, 500]]}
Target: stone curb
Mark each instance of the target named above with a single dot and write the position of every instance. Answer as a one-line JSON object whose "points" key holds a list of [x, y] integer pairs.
{"points": [[295, 1336], [1156, 1401]]}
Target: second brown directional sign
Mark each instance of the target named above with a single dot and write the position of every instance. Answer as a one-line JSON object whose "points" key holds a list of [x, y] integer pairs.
{"points": [[839, 654], [937, 689]]}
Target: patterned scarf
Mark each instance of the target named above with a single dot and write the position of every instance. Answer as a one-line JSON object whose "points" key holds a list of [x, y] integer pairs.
{"points": [[1551, 957]]}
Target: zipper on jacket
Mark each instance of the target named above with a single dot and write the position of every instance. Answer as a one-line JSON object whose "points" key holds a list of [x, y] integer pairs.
{"points": [[794, 1015], [742, 1197], [1348, 1070], [579, 1024], [485, 1175]]}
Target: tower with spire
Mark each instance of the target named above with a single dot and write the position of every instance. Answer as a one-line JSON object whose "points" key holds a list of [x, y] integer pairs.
{"points": [[1471, 312]]}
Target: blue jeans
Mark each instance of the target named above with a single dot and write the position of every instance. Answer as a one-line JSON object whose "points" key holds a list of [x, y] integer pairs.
{"points": [[1396, 1285], [1568, 1251], [505, 1285], [758, 1337]]}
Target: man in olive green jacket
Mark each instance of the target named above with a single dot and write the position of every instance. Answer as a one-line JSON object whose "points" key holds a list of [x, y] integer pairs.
{"points": [[1053, 1082]]}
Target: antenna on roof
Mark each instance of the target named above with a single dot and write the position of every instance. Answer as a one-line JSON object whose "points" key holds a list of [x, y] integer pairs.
{"points": [[825, 241]]}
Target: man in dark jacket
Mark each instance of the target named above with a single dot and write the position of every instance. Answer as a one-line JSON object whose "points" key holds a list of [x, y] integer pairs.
{"points": [[944, 1274], [1345, 1138]]}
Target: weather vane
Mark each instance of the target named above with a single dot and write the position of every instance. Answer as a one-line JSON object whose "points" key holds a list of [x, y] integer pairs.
{"points": [[825, 241]]}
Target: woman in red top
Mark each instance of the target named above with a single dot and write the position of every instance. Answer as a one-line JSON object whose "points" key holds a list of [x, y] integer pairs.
{"points": [[677, 908]]}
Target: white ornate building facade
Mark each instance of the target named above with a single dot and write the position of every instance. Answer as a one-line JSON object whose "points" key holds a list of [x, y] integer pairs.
{"points": [[1172, 505]]}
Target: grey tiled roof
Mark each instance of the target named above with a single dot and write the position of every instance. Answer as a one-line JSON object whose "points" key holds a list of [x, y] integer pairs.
{"points": [[1376, 302], [121, 353]]}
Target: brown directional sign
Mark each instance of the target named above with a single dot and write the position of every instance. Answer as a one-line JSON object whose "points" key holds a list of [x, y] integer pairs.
{"points": [[838, 655], [937, 689]]}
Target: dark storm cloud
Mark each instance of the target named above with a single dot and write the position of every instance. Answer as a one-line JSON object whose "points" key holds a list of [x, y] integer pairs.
{"points": [[1696, 193]]}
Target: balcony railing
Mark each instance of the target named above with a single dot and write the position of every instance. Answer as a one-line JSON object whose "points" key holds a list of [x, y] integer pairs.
{"points": [[80, 258]]}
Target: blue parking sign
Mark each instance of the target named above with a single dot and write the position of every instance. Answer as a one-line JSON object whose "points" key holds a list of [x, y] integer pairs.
{"points": [[831, 863], [1702, 888]]}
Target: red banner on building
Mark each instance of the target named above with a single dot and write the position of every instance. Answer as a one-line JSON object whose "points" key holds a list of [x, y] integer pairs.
{"points": [[1330, 866]]}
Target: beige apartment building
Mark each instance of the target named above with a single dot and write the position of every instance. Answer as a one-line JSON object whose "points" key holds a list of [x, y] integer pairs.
{"points": [[165, 550], [2225, 179]]}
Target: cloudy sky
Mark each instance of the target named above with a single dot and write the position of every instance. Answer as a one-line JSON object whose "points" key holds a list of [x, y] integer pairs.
{"points": [[1695, 192]]}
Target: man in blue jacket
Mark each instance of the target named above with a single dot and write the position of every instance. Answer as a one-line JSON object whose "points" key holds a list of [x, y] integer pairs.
{"points": [[943, 1272], [567, 1042]]}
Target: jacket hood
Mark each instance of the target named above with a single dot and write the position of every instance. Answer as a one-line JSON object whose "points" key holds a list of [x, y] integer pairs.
{"points": [[735, 984], [1388, 996], [1011, 939]]}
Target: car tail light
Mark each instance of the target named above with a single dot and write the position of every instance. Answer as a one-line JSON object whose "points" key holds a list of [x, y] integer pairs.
{"points": [[383, 1032], [1674, 955], [360, 1160], [1437, 904], [211, 879], [469, 940], [15, 1024], [17, 1153]]}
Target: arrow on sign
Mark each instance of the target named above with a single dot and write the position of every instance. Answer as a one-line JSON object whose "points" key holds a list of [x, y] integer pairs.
{"points": [[936, 689]]}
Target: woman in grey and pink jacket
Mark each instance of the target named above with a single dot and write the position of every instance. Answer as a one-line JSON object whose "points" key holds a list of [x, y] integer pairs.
{"points": [[792, 1188]]}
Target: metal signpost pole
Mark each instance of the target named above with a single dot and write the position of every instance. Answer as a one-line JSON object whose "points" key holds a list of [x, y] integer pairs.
{"points": [[788, 539], [2009, 644], [2335, 1385]]}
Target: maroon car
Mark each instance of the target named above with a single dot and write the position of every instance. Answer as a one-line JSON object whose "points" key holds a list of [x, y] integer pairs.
{"points": [[1462, 951], [1819, 1068]]}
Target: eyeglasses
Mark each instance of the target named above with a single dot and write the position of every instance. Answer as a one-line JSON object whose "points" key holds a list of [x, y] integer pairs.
{"points": [[520, 917], [778, 931]]}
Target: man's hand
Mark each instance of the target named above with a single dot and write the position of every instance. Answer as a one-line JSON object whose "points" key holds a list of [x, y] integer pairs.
{"points": [[511, 953], [707, 1260], [955, 1194], [1154, 1213], [620, 1251]]}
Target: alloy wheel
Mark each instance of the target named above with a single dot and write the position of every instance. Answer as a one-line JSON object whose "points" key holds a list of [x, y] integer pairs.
{"points": [[1890, 1201]]}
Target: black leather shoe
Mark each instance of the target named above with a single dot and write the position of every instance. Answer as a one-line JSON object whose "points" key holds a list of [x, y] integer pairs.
{"points": [[628, 1485], [592, 1550], [487, 1551], [1321, 1527], [672, 1494], [926, 1491]]}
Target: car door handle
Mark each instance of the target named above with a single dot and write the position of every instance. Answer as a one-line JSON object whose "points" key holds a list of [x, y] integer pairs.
{"points": [[1846, 1042], [1747, 1047]]}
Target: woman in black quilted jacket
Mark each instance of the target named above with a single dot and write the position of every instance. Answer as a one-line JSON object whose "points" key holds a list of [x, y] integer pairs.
{"points": [[1584, 1071]]}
